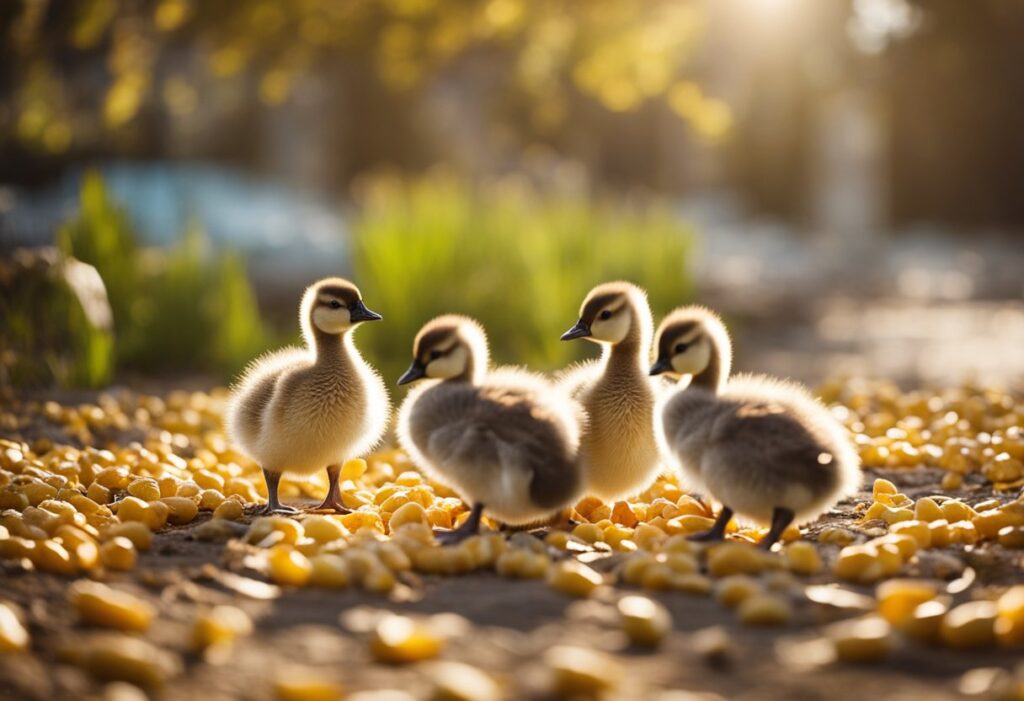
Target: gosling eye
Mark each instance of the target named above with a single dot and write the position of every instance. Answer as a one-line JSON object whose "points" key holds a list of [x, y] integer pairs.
{"points": [[681, 348], [435, 354], [606, 314], [335, 304]]}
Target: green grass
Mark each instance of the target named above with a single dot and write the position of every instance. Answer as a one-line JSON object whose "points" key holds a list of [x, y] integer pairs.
{"points": [[518, 260]]}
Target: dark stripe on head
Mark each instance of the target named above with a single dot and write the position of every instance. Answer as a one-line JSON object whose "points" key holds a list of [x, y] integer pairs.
{"points": [[594, 306], [347, 294], [671, 334]]}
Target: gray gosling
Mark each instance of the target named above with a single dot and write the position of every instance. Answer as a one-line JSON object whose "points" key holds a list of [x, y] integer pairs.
{"points": [[618, 453], [299, 410], [505, 439], [764, 448]]}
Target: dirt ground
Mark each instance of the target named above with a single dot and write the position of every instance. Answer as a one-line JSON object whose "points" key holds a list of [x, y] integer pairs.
{"points": [[508, 625]]}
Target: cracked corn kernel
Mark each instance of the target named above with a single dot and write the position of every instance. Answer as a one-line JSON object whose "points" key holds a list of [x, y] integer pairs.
{"points": [[144, 488], [692, 583], [409, 512], [581, 672], [574, 578], [323, 529], [866, 639], [645, 621], [735, 558], [764, 610], [455, 681], [286, 565], [329, 571], [353, 469], [589, 532], [883, 486], [51, 556], [220, 626], [100, 605], [970, 625], [399, 640], [181, 509], [13, 636], [138, 533], [927, 509]]}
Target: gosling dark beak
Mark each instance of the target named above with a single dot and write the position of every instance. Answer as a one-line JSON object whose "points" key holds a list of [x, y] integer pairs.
{"points": [[359, 312], [660, 366], [415, 372], [580, 329]]}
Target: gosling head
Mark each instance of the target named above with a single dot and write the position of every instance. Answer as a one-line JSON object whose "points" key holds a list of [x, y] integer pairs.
{"points": [[692, 341], [610, 313], [449, 347], [332, 307]]}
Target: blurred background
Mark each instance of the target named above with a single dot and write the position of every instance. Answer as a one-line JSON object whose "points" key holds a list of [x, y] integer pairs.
{"points": [[843, 179]]}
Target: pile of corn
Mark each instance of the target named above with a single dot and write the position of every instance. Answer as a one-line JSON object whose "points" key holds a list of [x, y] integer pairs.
{"points": [[77, 499]]}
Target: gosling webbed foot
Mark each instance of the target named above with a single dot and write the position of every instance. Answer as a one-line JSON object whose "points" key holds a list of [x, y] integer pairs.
{"points": [[469, 528], [717, 531], [332, 502], [279, 508]]}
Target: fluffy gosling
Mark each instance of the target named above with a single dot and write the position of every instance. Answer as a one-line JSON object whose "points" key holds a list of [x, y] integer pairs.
{"points": [[299, 410], [762, 447], [505, 440]]}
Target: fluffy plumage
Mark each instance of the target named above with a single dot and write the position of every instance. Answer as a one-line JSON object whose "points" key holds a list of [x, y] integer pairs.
{"points": [[618, 454], [300, 410], [756, 444], [503, 439]]}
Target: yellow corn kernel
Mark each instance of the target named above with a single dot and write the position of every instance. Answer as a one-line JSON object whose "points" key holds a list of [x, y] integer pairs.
{"points": [[918, 530], [210, 499], [648, 537], [135, 531], [13, 636], [13, 500], [883, 486], [859, 563], [188, 489], [144, 488], [954, 510], [578, 672], [645, 621], [118, 554], [98, 493], [329, 571], [208, 480], [633, 569], [940, 534], [362, 519], [970, 625], [658, 576], [221, 625], [288, 566], [168, 486], [927, 509], [839, 536], [1009, 626], [306, 686], [866, 639], [688, 524], [323, 529], [113, 477], [802, 558], [51, 556], [353, 469], [455, 681], [691, 583], [735, 558], [99, 605], [379, 580], [926, 622], [623, 514], [1012, 537], [733, 590], [122, 658], [764, 610], [616, 535], [399, 639], [182, 509], [574, 578], [409, 478], [951, 481], [898, 599], [589, 532], [229, 510], [409, 512]]}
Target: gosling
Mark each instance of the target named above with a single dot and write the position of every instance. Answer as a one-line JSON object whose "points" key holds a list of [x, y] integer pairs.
{"points": [[301, 410], [764, 448], [504, 440], [618, 452]]}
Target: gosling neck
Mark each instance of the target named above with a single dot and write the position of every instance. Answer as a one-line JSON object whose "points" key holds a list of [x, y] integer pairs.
{"points": [[477, 363], [333, 349], [631, 353], [713, 377]]}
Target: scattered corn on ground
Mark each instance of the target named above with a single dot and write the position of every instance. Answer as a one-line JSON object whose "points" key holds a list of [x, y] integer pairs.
{"points": [[98, 498]]}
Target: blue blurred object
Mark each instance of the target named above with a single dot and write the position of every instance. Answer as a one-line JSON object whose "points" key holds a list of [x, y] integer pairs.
{"points": [[287, 237]]}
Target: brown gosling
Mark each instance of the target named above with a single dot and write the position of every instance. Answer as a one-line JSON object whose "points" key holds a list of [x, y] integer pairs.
{"points": [[503, 439], [618, 454], [299, 410], [762, 447]]}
